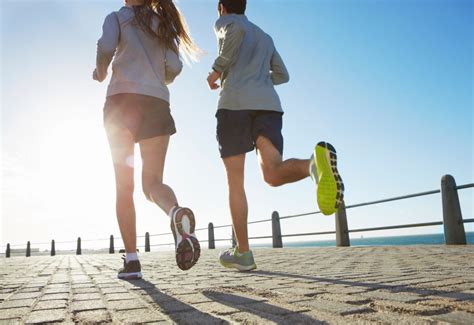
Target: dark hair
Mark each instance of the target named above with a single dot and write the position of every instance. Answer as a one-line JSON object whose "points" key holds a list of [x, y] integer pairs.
{"points": [[172, 29], [234, 6]]}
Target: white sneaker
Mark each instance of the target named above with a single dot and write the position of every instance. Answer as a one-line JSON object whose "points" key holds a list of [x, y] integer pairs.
{"points": [[187, 245]]}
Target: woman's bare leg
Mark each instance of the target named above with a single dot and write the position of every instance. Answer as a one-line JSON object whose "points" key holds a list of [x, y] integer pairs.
{"points": [[122, 148]]}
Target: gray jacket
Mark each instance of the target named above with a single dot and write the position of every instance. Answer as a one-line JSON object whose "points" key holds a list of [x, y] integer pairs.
{"points": [[142, 64], [250, 66]]}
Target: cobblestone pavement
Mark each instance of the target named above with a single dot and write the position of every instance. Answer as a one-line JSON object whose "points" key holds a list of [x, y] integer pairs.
{"points": [[423, 284]]}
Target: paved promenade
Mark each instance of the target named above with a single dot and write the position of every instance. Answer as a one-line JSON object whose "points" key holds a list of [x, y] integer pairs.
{"points": [[423, 284]]}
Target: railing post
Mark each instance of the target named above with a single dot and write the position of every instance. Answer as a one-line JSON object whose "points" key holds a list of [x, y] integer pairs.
{"points": [[28, 249], [210, 237], [454, 233], [234, 242], [53, 248], [7, 253], [342, 231], [147, 242], [111, 245], [276, 230], [78, 250]]}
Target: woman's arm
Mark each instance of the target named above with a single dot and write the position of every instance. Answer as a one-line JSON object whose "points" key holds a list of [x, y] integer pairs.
{"points": [[106, 46], [173, 66]]}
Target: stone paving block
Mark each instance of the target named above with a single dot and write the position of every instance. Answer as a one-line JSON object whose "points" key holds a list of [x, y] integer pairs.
{"points": [[92, 316], [155, 297], [273, 308], [87, 305], [58, 286], [50, 304], [334, 307], [11, 322], [173, 306], [13, 313], [86, 290], [298, 291], [26, 290], [25, 295], [138, 316], [195, 317], [455, 317], [81, 285], [458, 296], [56, 290], [466, 306], [17, 303], [349, 299], [250, 318], [119, 296], [46, 316], [85, 296], [125, 304], [55, 296], [194, 298], [387, 295], [387, 317], [233, 298], [113, 290], [215, 308], [407, 308]]}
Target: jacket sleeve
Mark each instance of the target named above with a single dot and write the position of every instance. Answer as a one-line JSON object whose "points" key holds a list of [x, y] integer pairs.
{"points": [[106, 45], [173, 66], [279, 72], [230, 37]]}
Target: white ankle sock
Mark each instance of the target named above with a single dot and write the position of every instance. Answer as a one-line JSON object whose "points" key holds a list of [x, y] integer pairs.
{"points": [[131, 257], [170, 213]]}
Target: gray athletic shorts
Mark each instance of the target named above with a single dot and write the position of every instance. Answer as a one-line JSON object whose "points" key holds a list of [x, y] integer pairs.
{"points": [[144, 116]]}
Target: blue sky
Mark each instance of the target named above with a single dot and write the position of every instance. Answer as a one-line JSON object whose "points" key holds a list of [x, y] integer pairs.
{"points": [[388, 83]]}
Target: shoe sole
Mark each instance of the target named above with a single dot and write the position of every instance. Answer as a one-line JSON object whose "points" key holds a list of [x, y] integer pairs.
{"points": [[330, 190], [188, 249], [130, 276], [238, 266]]}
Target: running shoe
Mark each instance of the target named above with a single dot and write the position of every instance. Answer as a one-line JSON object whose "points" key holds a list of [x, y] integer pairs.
{"points": [[131, 270], [330, 188], [231, 258], [187, 246]]}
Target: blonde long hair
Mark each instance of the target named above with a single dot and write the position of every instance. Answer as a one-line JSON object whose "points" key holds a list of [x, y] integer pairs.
{"points": [[172, 29]]}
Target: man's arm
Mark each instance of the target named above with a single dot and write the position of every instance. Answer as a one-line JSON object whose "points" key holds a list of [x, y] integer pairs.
{"points": [[231, 37], [106, 46], [279, 72]]}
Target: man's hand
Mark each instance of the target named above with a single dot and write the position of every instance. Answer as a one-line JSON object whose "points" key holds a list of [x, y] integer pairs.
{"points": [[94, 75], [212, 79]]}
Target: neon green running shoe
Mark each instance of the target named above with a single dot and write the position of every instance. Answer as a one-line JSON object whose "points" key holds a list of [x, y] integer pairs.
{"points": [[330, 188], [231, 258]]}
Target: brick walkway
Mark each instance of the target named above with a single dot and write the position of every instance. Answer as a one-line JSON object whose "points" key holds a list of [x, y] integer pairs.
{"points": [[291, 286]]}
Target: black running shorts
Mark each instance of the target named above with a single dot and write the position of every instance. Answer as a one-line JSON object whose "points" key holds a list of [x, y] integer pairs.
{"points": [[144, 116], [237, 131]]}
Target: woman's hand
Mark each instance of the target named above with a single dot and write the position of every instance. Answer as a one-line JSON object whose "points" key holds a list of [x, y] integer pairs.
{"points": [[212, 79]]}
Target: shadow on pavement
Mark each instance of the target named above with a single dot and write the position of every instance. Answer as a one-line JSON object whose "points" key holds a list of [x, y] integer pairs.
{"points": [[261, 308], [371, 286], [178, 311]]}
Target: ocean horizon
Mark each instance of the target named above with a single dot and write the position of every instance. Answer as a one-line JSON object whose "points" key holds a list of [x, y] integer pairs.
{"points": [[404, 240]]}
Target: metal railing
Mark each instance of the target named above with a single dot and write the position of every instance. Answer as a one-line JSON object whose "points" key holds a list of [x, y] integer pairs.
{"points": [[452, 220]]}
